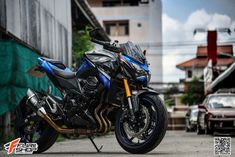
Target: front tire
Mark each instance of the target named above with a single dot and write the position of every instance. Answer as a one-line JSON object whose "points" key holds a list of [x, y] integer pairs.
{"points": [[208, 130], [152, 106]]}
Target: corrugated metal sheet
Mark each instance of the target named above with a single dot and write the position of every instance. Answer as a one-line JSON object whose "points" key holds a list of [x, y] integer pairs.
{"points": [[2, 13], [44, 25]]}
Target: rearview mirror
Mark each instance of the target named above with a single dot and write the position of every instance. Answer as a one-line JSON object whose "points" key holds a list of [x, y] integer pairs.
{"points": [[93, 33], [144, 52]]}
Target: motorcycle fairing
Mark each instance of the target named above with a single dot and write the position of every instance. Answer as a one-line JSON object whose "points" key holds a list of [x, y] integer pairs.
{"points": [[103, 77], [68, 74], [52, 69]]}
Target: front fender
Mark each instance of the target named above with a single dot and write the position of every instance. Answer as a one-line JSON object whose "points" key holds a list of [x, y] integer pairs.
{"points": [[145, 91], [138, 93]]}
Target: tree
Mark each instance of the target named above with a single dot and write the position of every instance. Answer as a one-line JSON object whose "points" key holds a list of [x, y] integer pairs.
{"points": [[194, 93], [169, 96], [80, 44]]}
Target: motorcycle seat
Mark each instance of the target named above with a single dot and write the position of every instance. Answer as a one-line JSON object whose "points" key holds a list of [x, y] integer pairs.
{"points": [[60, 69], [56, 63], [64, 73]]}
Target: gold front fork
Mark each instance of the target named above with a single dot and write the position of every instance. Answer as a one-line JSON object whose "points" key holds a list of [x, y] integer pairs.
{"points": [[128, 95], [127, 88]]}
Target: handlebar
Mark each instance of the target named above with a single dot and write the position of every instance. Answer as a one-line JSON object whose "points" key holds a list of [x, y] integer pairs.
{"points": [[100, 42], [107, 45]]}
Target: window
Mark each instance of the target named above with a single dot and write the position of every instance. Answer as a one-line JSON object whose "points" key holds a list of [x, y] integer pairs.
{"points": [[112, 3], [115, 3], [189, 74], [144, 1], [117, 28]]}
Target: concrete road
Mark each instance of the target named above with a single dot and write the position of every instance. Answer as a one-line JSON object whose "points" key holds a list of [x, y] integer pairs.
{"points": [[175, 144]]}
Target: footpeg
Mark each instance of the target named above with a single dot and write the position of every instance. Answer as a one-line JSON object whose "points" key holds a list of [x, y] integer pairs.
{"points": [[92, 141]]}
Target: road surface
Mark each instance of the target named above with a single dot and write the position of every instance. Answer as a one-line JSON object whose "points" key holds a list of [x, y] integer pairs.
{"points": [[175, 144]]}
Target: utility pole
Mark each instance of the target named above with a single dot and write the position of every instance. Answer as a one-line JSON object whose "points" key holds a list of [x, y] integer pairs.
{"points": [[212, 41], [212, 46], [211, 71]]}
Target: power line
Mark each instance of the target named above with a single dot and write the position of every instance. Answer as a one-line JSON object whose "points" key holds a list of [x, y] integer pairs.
{"points": [[180, 44]]}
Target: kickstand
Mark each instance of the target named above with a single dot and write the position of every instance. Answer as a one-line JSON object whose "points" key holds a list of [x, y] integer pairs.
{"points": [[92, 141]]}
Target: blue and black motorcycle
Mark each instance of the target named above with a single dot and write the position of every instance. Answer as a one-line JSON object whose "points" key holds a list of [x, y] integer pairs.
{"points": [[108, 92]]}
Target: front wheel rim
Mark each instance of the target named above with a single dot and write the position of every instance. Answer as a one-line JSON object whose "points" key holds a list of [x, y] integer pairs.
{"points": [[147, 132]]}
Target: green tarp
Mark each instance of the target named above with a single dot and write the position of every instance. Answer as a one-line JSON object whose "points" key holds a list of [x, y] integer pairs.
{"points": [[15, 61]]}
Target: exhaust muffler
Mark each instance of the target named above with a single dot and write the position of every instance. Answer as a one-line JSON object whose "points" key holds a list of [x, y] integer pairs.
{"points": [[33, 99], [40, 110]]}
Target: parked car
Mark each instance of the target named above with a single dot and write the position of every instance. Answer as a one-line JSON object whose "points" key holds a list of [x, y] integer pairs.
{"points": [[217, 113], [191, 118]]}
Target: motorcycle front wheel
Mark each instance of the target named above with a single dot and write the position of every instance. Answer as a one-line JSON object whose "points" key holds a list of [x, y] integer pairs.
{"points": [[145, 133]]}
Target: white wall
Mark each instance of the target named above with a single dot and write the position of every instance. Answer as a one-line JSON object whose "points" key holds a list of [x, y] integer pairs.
{"points": [[150, 32], [196, 72]]}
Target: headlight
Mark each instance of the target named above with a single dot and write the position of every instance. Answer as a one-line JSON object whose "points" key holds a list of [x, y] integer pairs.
{"points": [[141, 74], [137, 67]]}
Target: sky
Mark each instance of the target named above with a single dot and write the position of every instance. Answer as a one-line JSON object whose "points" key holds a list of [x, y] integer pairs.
{"points": [[180, 18]]}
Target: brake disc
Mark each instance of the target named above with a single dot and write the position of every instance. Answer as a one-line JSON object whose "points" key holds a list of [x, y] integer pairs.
{"points": [[138, 134]]}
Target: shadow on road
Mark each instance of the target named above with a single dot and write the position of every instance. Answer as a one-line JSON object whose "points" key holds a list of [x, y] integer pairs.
{"points": [[101, 153]]}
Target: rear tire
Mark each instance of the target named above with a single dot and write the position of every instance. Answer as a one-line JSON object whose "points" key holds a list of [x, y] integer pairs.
{"points": [[158, 131], [187, 129], [199, 130], [47, 135], [208, 131]]}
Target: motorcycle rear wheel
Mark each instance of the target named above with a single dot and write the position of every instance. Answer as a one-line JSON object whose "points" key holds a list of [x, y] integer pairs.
{"points": [[45, 136], [152, 126]]}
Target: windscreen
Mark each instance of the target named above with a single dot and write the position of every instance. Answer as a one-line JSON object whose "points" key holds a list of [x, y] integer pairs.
{"points": [[133, 51], [222, 101]]}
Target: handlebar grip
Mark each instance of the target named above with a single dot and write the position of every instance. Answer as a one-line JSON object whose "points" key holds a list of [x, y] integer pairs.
{"points": [[100, 42], [107, 45]]}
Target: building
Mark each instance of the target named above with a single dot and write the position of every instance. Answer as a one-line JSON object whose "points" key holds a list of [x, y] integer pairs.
{"points": [[194, 67], [139, 21], [29, 29], [44, 26], [82, 16], [224, 82]]}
